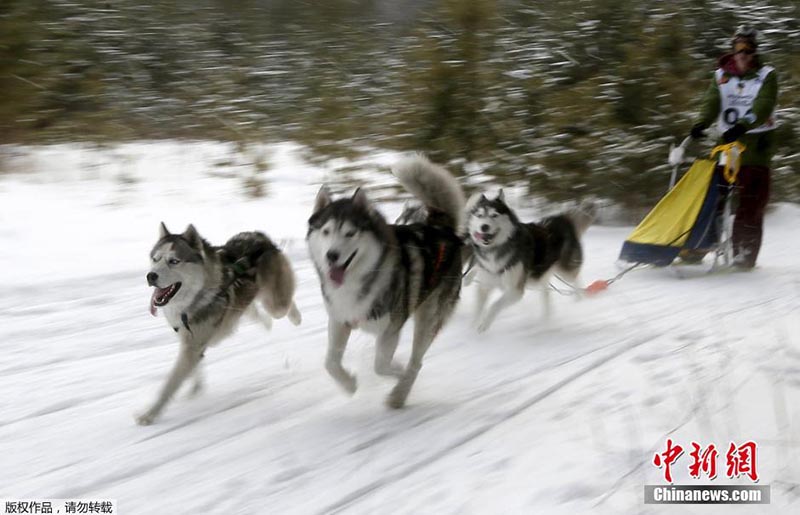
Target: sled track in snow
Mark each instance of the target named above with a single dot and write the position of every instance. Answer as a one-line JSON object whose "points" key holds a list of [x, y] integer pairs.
{"points": [[361, 493]]}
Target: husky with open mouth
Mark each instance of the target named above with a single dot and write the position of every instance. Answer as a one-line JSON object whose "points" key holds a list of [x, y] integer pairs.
{"points": [[374, 275], [203, 290], [510, 254]]}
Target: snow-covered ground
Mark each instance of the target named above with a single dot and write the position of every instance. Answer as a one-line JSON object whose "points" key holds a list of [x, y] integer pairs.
{"points": [[562, 416]]}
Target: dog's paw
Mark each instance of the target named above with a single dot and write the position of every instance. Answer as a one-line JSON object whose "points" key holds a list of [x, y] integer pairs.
{"points": [[483, 325], [349, 383], [396, 399], [294, 315], [344, 378], [145, 419]]}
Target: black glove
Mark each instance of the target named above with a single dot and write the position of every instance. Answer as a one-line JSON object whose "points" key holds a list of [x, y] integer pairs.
{"points": [[733, 133], [698, 130]]}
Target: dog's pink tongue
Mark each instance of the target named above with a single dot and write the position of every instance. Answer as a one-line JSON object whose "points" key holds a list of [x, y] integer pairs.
{"points": [[336, 273], [153, 302], [157, 294]]}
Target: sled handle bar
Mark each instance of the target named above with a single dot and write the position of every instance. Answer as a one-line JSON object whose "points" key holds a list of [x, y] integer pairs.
{"points": [[674, 176]]}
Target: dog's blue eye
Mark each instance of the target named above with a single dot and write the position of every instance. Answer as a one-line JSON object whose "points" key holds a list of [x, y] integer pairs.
{"points": [[494, 215], [349, 234], [173, 261], [325, 232]]}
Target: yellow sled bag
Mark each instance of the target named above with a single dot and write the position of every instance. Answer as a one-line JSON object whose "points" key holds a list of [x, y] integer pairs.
{"points": [[685, 216]]}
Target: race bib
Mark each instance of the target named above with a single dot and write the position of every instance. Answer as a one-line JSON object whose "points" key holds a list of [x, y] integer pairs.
{"points": [[737, 97]]}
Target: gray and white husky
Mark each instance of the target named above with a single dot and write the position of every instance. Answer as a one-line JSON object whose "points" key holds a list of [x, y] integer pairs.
{"points": [[203, 291], [510, 254], [375, 275]]}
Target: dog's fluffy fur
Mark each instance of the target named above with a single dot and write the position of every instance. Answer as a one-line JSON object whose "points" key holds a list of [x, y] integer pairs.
{"points": [[374, 275], [203, 291], [510, 254]]}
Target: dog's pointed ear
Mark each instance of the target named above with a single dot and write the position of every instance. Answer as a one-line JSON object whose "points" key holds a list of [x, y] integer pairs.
{"points": [[323, 198], [473, 201], [360, 198], [163, 232], [192, 237], [501, 196]]}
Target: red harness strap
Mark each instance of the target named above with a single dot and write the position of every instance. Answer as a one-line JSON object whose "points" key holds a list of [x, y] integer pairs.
{"points": [[438, 263]]}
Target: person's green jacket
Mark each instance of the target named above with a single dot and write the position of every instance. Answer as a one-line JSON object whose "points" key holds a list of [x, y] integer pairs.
{"points": [[761, 145]]}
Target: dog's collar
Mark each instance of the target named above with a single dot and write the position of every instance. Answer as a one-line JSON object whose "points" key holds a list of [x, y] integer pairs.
{"points": [[470, 265], [185, 322]]}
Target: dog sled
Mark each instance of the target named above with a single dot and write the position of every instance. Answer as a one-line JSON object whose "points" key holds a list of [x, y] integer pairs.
{"points": [[694, 218]]}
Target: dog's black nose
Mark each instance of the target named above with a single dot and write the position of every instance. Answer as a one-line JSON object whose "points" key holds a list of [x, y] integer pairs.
{"points": [[152, 277], [484, 228], [332, 255]]}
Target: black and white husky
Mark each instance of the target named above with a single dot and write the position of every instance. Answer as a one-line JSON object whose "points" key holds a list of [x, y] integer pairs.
{"points": [[510, 254], [203, 291], [374, 275]]}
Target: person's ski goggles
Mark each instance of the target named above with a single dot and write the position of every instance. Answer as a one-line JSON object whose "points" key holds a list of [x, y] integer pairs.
{"points": [[743, 47]]}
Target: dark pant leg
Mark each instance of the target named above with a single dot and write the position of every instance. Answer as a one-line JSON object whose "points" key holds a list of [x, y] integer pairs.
{"points": [[753, 184]]}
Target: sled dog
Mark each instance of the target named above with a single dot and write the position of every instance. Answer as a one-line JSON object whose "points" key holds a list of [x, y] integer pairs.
{"points": [[375, 275], [509, 254], [203, 291]]}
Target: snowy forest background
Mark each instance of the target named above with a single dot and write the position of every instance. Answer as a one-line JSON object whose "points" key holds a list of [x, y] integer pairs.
{"points": [[573, 98]]}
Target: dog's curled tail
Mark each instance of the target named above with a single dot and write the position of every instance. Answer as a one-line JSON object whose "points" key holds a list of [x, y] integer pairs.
{"points": [[432, 185], [583, 215]]}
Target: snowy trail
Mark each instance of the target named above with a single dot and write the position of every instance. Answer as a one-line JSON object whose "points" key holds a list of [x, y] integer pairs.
{"points": [[479, 431], [555, 417]]}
